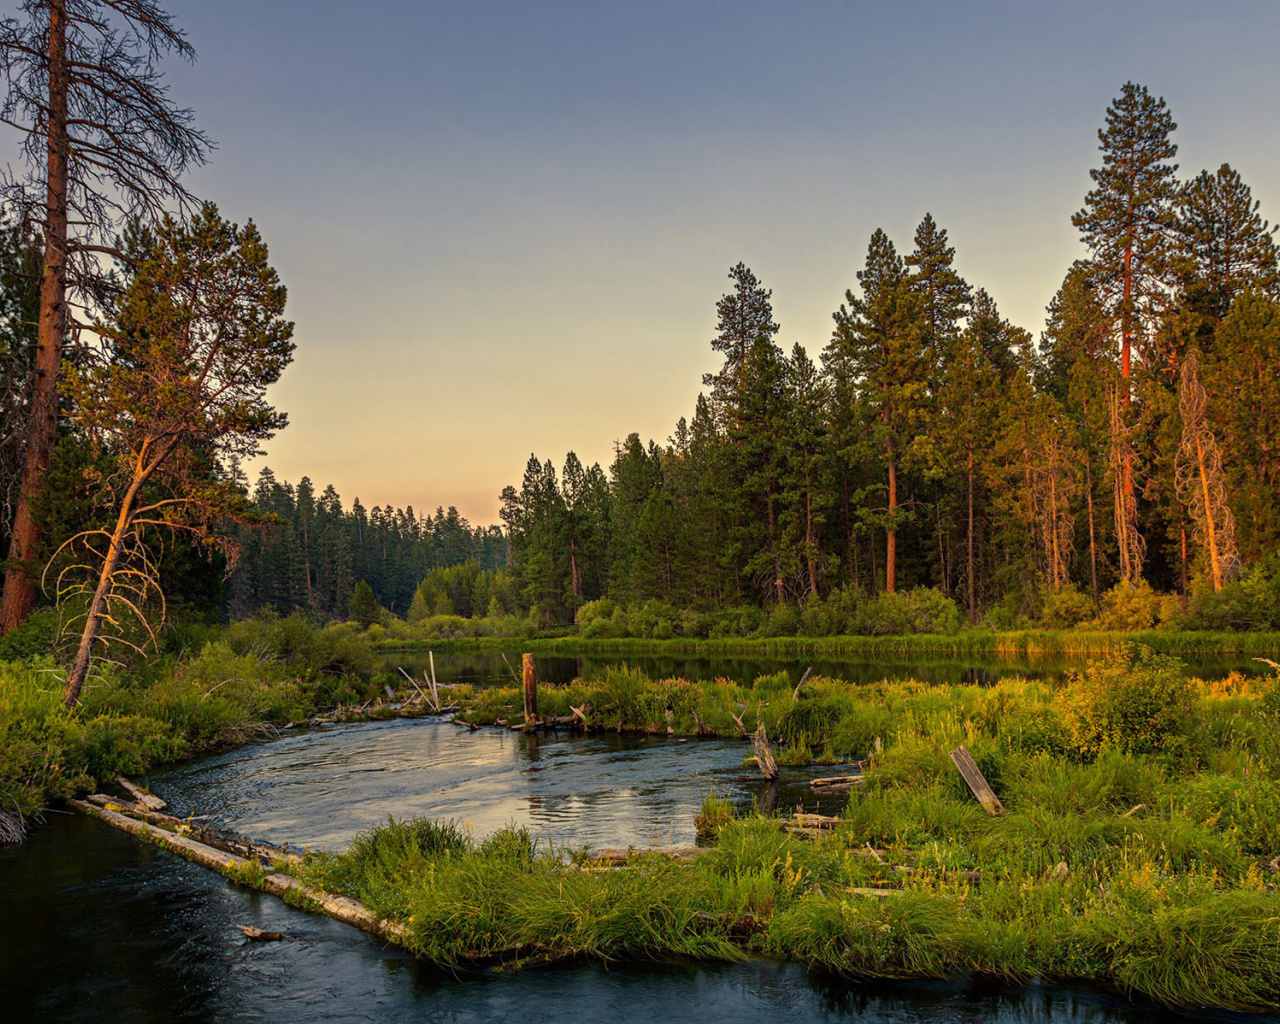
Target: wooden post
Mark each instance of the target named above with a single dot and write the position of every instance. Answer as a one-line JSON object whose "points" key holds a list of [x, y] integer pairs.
{"points": [[977, 781], [530, 693]]}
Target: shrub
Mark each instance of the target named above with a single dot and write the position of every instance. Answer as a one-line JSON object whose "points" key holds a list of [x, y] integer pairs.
{"points": [[1250, 602], [1129, 607], [1136, 701], [920, 610], [1065, 608], [783, 620]]}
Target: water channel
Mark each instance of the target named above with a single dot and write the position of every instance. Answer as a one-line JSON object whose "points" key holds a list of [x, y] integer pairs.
{"points": [[99, 927]]}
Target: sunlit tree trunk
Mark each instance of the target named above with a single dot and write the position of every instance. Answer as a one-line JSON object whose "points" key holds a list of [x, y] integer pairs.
{"points": [[19, 582]]}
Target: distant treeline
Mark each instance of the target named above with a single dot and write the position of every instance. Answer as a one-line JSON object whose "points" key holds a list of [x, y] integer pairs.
{"points": [[933, 443], [317, 551]]}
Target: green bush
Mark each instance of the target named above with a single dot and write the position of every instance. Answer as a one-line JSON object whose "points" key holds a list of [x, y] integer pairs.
{"points": [[920, 610], [1129, 608], [1251, 602], [1136, 701], [1065, 608]]}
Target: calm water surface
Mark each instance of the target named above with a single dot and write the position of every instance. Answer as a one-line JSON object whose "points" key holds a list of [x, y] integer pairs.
{"points": [[99, 927]]}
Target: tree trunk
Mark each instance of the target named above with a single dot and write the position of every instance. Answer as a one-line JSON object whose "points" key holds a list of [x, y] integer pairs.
{"points": [[97, 609], [808, 543], [942, 552], [1182, 535], [19, 581], [1211, 538], [891, 537], [973, 602], [777, 554], [1093, 546]]}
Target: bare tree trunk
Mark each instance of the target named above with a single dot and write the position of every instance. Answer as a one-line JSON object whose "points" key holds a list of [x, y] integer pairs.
{"points": [[973, 602], [808, 542], [1182, 537], [1211, 531], [19, 581], [97, 606], [891, 538], [1199, 475], [1093, 546], [773, 543], [942, 551]]}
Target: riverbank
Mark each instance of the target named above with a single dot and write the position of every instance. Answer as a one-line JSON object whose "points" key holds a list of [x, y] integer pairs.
{"points": [[243, 683], [970, 642]]}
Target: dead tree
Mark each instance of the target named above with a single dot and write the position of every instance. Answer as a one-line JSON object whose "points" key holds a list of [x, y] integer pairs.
{"points": [[1200, 479], [102, 144]]}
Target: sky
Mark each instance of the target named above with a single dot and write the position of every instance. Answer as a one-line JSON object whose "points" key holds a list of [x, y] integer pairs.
{"points": [[504, 226]]}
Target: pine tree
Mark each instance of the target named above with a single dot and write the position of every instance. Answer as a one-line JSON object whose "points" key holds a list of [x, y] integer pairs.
{"points": [[1224, 244], [943, 294], [743, 316], [878, 338], [1129, 216], [1128, 222], [805, 435], [967, 404]]}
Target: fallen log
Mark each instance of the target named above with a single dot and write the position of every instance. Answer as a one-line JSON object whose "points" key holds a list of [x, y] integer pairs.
{"points": [[978, 784], [800, 685], [258, 935], [843, 781], [803, 820], [148, 800], [227, 842], [613, 857], [341, 908]]}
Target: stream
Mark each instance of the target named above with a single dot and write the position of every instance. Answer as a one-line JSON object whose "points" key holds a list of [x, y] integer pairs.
{"points": [[103, 928]]}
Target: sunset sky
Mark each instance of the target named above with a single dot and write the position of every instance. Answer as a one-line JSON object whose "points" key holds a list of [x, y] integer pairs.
{"points": [[504, 226]]}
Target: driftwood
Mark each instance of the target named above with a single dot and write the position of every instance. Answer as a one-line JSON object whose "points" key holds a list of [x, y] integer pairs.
{"points": [[584, 712], [824, 821], [341, 908], [764, 753], [258, 935], [700, 728], [800, 685], [414, 683], [1133, 810], [148, 800], [616, 857], [977, 781], [738, 722], [227, 842], [838, 782], [530, 687]]}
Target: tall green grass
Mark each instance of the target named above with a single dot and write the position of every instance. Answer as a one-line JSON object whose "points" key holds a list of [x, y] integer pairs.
{"points": [[972, 642]]}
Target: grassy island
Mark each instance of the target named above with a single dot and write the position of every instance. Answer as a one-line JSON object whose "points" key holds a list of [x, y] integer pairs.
{"points": [[1138, 848]]}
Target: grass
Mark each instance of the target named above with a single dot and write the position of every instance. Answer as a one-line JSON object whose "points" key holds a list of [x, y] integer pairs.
{"points": [[1137, 848], [969, 642]]}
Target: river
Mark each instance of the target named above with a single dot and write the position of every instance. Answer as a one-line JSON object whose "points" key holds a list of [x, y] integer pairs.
{"points": [[102, 928]]}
